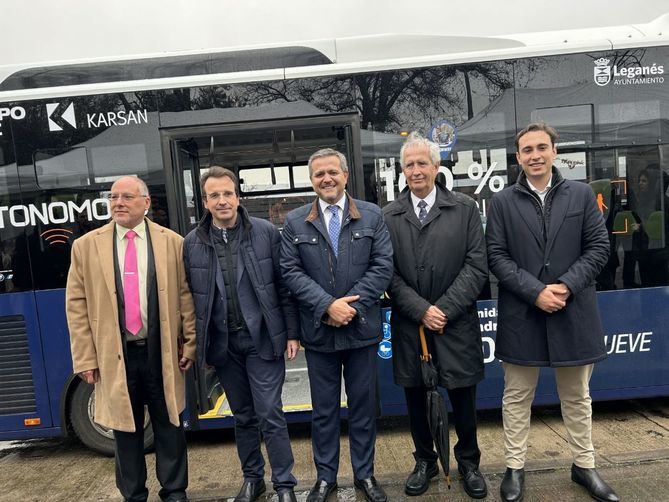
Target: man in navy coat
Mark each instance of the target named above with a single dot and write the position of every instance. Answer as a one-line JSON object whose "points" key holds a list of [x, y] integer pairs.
{"points": [[546, 244], [337, 260], [245, 321]]}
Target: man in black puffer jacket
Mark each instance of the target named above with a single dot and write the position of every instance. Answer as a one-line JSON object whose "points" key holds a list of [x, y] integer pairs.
{"points": [[245, 320]]}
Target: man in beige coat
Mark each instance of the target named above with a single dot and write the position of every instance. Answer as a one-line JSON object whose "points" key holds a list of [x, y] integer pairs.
{"points": [[132, 332]]}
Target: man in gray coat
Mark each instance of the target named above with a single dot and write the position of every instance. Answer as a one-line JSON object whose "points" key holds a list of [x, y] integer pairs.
{"points": [[438, 290], [546, 244]]}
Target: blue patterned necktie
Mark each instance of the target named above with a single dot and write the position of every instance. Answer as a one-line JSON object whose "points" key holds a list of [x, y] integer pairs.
{"points": [[334, 228], [422, 214]]}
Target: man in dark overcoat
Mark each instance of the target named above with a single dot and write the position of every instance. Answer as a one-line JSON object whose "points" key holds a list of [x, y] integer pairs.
{"points": [[440, 269], [336, 258], [246, 320], [547, 242]]}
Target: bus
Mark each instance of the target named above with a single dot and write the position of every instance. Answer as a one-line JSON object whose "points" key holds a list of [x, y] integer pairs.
{"points": [[69, 128]]}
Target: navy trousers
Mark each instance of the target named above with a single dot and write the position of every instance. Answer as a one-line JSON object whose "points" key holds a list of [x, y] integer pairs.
{"points": [[253, 388], [325, 371], [146, 388]]}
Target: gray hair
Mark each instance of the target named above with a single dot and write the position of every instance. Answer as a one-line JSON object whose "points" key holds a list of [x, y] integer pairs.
{"points": [[143, 188], [329, 152], [415, 140]]}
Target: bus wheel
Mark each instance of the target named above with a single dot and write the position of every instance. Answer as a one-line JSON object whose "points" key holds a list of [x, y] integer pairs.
{"points": [[95, 436]]}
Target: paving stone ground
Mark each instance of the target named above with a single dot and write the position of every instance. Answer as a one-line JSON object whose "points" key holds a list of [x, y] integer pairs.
{"points": [[631, 439]]}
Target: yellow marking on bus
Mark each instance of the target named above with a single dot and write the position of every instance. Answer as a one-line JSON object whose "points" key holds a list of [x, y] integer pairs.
{"points": [[213, 413]]}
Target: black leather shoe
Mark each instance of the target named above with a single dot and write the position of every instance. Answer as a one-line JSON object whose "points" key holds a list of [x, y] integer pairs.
{"points": [[321, 491], [250, 491], [512, 486], [474, 483], [373, 492], [287, 496], [419, 480], [596, 486]]}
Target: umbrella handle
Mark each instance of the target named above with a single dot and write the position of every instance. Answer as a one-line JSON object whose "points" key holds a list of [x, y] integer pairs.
{"points": [[423, 344]]}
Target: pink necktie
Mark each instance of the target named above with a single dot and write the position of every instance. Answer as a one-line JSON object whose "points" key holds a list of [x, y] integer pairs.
{"points": [[133, 315]]}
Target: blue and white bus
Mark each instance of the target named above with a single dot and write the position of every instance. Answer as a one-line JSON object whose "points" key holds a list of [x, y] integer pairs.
{"points": [[71, 126]]}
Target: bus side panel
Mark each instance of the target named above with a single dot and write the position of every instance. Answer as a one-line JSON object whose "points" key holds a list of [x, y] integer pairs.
{"points": [[25, 392], [56, 343], [635, 326]]}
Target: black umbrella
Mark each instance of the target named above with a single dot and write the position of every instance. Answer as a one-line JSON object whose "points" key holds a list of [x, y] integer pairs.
{"points": [[437, 414]]}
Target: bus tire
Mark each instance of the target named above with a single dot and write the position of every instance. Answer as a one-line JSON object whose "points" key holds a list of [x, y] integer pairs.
{"points": [[94, 436]]}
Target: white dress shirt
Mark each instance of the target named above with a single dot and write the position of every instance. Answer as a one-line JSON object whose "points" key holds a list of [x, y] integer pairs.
{"points": [[430, 199], [142, 267], [327, 214], [540, 193]]}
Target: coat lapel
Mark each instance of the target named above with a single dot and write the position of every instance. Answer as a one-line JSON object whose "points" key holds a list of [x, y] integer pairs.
{"points": [[407, 209], [444, 199], [559, 206], [104, 245], [159, 245], [318, 224], [528, 213]]}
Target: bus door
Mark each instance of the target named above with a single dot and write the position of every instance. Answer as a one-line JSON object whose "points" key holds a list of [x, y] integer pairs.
{"points": [[270, 159], [24, 396]]}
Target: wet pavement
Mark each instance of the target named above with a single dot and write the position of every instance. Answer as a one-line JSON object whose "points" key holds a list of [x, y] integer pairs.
{"points": [[631, 439]]}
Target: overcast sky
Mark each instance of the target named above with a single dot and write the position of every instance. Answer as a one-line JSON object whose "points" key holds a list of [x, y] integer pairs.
{"points": [[48, 30]]}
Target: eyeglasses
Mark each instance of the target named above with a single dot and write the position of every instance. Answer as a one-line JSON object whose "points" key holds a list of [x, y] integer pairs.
{"points": [[126, 197], [218, 195]]}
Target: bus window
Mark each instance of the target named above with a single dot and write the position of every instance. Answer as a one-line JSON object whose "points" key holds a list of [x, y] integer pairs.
{"points": [[611, 135], [64, 185], [14, 261]]}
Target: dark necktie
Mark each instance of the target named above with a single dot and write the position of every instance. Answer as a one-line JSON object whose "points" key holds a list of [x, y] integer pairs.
{"points": [[422, 214]]}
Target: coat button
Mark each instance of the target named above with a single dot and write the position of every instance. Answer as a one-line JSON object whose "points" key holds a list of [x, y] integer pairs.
{"points": [[296, 239], [119, 357], [313, 240]]}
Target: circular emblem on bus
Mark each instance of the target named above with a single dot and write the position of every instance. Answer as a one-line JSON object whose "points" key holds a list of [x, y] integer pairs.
{"points": [[445, 135], [386, 315], [386, 331], [385, 349]]}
